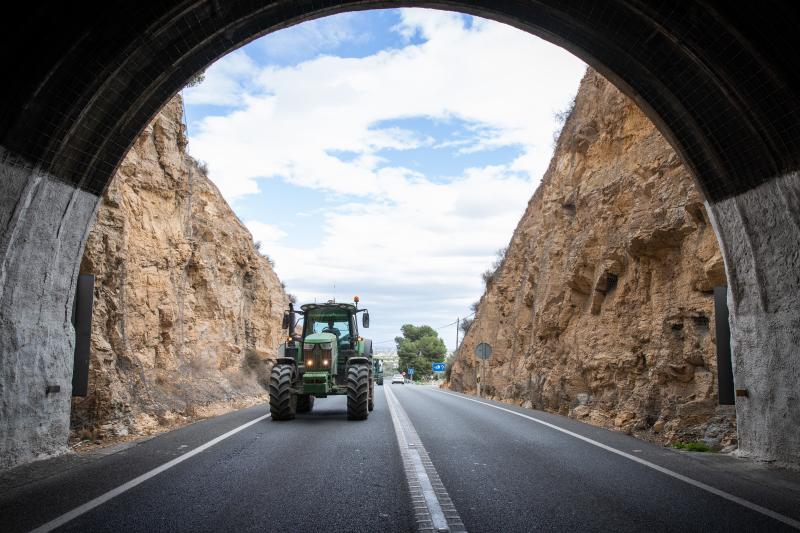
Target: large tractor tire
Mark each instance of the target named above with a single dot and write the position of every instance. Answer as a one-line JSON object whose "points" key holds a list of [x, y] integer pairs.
{"points": [[380, 380], [305, 403], [282, 401], [357, 392]]}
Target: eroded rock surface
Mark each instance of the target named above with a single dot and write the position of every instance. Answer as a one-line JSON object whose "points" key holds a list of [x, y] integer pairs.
{"points": [[603, 307], [186, 309]]}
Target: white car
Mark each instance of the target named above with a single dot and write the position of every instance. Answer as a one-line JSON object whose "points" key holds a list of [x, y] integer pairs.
{"points": [[398, 378]]}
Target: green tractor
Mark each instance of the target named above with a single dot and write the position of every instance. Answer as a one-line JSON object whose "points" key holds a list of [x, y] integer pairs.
{"points": [[377, 371], [328, 358]]}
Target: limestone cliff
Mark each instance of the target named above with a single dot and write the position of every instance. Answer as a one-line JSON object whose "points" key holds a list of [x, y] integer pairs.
{"points": [[603, 307], [186, 308]]}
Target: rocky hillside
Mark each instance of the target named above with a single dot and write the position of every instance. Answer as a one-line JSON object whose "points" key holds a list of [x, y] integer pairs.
{"points": [[603, 307], [186, 308]]}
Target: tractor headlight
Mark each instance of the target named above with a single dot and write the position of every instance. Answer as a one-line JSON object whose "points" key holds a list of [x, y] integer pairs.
{"points": [[309, 362], [325, 362], [308, 346], [326, 346]]}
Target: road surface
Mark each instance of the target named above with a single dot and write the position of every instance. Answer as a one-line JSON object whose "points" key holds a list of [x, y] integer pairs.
{"points": [[425, 459]]}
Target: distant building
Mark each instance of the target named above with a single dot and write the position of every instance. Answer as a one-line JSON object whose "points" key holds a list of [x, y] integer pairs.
{"points": [[391, 361]]}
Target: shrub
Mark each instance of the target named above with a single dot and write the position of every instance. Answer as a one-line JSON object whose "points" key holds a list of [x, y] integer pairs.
{"points": [[561, 119], [448, 370], [694, 446], [197, 79], [491, 273]]}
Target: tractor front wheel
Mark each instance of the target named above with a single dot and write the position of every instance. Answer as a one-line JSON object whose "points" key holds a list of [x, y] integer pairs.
{"points": [[282, 401], [305, 403], [357, 392]]}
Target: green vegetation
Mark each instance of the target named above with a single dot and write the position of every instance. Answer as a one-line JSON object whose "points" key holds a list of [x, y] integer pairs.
{"points": [[197, 79], [491, 273], [418, 348], [694, 446], [451, 359]]}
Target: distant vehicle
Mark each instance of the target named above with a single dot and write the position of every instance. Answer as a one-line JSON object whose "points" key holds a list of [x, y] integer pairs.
{"points": [[398, 378]]}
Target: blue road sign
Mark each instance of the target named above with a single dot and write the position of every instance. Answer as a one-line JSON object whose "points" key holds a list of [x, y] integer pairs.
{"points": [[410, 371], [438, 367]]}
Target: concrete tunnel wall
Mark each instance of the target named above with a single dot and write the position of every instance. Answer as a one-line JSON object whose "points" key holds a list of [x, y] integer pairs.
{"points": [[45, 223], [720, 82]]}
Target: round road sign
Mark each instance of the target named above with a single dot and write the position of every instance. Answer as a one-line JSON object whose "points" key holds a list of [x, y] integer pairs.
{"points": [[483, 351]]}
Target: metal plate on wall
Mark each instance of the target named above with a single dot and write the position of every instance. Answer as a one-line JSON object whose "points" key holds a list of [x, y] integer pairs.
{"points": [[483, 351]]}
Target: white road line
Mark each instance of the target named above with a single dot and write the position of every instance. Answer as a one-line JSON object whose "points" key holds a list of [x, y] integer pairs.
{"points": [[433, 508], [699, 484], [88, 506]]}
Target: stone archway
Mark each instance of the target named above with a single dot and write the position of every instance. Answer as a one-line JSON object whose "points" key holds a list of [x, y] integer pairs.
{"points": [[720, 82]]}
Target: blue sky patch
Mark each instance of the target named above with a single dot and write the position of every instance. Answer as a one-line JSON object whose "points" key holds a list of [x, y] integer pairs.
{"points": [[296, 210], [451, 152]]}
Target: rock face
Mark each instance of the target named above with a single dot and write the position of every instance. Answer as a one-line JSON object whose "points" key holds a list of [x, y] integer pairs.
{"points": [[185, 308], [603, 307]]}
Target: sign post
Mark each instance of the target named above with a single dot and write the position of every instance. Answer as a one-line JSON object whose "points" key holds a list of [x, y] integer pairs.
{"points": [[483, 351]]}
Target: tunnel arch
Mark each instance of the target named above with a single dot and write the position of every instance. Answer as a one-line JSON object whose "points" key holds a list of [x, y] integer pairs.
{"points": [[719, 80], [735, 123]]}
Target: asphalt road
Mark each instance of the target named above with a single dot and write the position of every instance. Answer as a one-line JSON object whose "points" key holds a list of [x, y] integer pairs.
{"points": [[321, 472]]}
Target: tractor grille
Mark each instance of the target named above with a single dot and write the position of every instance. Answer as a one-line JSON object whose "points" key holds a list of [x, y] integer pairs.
{"points": [[317, 356]]}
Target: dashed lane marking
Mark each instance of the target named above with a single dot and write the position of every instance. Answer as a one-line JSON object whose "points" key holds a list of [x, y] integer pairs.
{"points": [[433, 508], [100, 500], [699, 484]]}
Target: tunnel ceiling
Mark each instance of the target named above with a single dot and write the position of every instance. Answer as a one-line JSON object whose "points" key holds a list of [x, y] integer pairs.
{"points": [[719, 79]]}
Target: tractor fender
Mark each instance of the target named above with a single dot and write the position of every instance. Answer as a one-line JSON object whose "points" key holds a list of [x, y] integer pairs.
{"points": [[358, 361], [285, 361]]}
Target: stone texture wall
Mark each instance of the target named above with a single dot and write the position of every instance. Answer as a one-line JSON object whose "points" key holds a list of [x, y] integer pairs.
{"points": [[44, 223], [603, 307], [760, 236], [186, 309]]}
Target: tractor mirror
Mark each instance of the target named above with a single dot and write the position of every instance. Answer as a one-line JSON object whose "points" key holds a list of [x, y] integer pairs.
{"points": [[285, 320], [365, 320]]}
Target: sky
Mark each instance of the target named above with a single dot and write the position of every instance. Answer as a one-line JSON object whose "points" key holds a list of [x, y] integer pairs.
{"points": [[387, 154]]}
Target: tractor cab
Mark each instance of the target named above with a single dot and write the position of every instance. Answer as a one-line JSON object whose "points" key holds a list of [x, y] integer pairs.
{"points": [[329, 332], [337, 321]]}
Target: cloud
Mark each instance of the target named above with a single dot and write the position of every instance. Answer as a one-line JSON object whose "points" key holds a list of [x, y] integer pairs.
{"points": [[416, 258], [389, 230], [226, 82], [501, 79], [310, 38], [267, 234]]}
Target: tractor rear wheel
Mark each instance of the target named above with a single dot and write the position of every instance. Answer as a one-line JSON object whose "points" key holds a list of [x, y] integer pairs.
{"points": [[305, 403], [357, 392], [282, 401]]}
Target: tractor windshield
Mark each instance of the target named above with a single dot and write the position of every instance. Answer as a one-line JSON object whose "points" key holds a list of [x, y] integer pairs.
{"points": [[329, 321]]}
